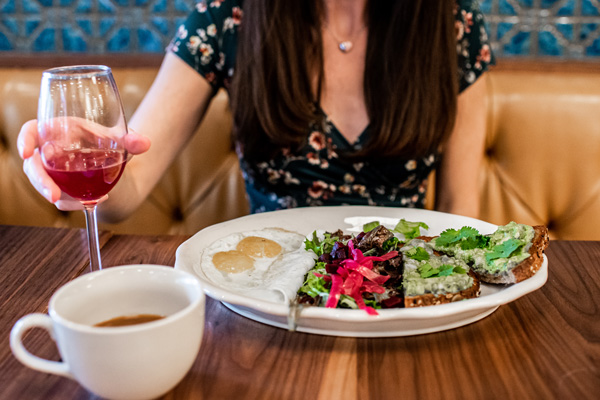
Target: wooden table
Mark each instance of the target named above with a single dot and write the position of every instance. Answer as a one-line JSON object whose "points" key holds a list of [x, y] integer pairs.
{"points": [[544, 345]]}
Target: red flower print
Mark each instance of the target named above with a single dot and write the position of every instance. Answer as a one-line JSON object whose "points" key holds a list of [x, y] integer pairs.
{"points": [[211, 30], [313, 158], [360, 189], [237, 15], [345, 189], [193, 44], [320, 189], [211, 77], [317, 141], [468, 18], [331, 153], [205, 49], [485, 54], [316, 190]]}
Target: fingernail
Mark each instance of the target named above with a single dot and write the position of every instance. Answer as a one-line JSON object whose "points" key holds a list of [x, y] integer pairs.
{"points": [[47, 193]]}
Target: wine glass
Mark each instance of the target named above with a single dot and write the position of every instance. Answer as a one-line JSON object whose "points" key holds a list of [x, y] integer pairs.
{"points": [[81, 127]]}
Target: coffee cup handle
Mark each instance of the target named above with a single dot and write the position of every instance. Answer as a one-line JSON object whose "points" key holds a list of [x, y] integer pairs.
{"points": [[20, 352]]}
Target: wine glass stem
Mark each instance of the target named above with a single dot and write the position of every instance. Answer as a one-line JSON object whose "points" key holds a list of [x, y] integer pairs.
{"points": [[92, 234]]}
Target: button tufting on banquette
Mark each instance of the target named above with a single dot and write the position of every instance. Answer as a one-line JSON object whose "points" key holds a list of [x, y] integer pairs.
{"points": [[541, 162]]}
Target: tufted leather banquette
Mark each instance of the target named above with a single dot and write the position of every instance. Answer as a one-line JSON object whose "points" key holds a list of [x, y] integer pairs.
{"points": [[542, 157]]}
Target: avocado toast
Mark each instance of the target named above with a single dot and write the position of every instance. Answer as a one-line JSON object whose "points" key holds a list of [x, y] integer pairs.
{"points": [[513, 253], [431, 278]]}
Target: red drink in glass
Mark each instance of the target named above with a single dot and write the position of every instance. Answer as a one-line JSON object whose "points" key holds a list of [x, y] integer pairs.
{"points": [[86, 174]]}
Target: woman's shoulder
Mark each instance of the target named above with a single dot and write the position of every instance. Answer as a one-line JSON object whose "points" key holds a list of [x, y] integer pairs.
{"points": [[207, 39], [468, 16], [218, 11], [473, 46]]}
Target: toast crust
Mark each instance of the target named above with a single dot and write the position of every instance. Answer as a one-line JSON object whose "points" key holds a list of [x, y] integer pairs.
{"points": [[528, 267], [432, 300]]}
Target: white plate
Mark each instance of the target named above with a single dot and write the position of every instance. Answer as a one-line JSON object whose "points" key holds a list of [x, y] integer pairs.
{"points": [[344, 322]]}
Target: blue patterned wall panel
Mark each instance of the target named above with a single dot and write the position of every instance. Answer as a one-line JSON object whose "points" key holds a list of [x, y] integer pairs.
{"points": [[565, 29], [90, 26]]}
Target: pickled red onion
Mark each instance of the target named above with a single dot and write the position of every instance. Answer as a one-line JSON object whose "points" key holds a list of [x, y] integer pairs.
{"points": [[349, 279]]}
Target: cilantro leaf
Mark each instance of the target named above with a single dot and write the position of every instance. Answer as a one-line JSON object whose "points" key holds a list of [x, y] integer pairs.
{"points": [[503, 250], [447, 237], [427, 271], [469, 238], [446, 270], [418, 253], [474, 242], [467, 231], [409, 229], [459, 270]]}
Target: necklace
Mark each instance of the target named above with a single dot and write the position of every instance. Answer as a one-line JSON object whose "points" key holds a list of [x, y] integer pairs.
{"points": [[344, 45]]}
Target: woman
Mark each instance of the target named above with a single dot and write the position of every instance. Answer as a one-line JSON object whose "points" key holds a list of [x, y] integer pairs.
{"points": [[334, 102]]}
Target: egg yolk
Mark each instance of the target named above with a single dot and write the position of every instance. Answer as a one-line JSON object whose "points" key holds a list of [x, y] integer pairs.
{"points": [[258, 247], [232, 261]]}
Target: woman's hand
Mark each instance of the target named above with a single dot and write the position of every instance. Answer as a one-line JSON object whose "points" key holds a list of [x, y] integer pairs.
{"points": [[27, 143]]}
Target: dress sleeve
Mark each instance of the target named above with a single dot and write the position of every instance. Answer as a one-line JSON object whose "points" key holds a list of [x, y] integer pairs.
{"points": [[207, 39], [473, 47]]}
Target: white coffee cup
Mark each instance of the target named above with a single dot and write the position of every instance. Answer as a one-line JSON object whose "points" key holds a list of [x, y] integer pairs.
{"points": [[141, 361]]}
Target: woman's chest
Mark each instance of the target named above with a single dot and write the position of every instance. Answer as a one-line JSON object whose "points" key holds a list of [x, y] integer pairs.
{"points": [[342, 90]]}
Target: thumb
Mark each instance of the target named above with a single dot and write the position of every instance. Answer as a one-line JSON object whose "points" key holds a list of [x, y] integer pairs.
{"points": [[136, 143]]}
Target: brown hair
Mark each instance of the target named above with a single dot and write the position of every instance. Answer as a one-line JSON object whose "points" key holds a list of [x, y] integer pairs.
{"points": [[410, 81]]}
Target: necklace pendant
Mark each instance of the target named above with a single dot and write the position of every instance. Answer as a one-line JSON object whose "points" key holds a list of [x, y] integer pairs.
{"points": [[345, 46]]}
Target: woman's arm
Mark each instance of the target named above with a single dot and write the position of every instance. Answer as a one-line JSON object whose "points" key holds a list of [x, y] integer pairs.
{"points": [[168, 115], [457, 180]]}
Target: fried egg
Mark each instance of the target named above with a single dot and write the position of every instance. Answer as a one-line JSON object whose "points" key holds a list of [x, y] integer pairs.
{"points": [[268, 264]]}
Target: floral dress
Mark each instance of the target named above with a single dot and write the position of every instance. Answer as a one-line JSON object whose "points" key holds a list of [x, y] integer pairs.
{"points": [[315, 175]]}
